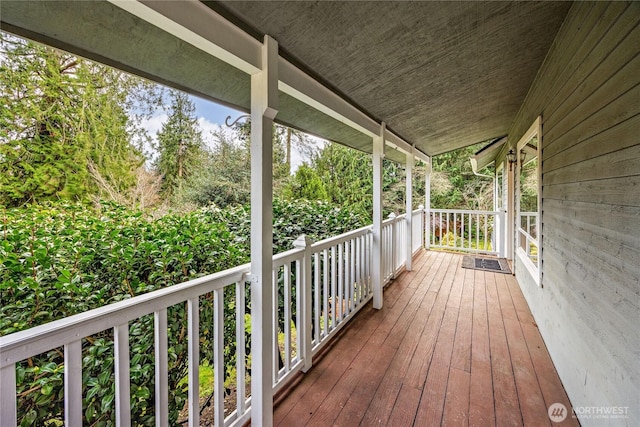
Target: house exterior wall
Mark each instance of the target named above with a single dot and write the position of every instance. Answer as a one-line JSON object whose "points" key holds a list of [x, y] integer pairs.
{"points": [[588, 307]]}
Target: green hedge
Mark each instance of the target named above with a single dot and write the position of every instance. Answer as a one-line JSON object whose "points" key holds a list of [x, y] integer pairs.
{"points": [[62, 259]]}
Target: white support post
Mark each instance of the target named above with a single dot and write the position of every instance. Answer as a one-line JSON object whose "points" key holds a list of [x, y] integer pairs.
{"points": [[376, 271], [427, 204], [306, 352], [422, 220], [409, 210], [264, 96], [510, 217]]}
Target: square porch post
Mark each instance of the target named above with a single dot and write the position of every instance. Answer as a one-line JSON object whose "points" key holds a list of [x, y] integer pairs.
{"points": [[409, 209], [376, 265], [510, 216], [264, 96], [427, 206]]}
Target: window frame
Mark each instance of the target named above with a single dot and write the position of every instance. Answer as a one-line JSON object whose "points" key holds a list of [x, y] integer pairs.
{"points": [[534, 268]]}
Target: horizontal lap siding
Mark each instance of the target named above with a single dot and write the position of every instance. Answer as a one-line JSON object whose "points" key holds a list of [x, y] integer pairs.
{"points": [[588, 93]]}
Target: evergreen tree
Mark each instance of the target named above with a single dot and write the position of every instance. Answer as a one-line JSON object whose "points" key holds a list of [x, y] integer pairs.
{"points": [[180, 144], [224, 178], [306, 184], [347, 175], [63, 124]]}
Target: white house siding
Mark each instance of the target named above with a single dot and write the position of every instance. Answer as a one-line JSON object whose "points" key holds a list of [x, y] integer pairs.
{"points": [[588, 94]]}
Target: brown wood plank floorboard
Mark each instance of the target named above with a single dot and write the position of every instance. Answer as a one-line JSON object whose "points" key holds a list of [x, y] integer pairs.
{"points": [[481, 396], [451, 347]]}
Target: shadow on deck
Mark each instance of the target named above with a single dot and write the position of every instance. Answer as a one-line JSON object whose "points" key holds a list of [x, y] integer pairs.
{"points": [[451, 346]]}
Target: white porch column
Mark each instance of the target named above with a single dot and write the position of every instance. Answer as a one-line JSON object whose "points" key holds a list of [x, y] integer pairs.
{"points": [[264, 96], [510, 216], [427, 206], [409, 209], [376, 271]]}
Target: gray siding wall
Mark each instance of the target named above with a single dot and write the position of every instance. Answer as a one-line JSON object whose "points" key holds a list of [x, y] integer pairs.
{"points": [[588, 94]]}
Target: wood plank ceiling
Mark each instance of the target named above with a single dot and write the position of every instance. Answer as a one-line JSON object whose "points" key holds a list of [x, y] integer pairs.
{"points": [[442, 75]]}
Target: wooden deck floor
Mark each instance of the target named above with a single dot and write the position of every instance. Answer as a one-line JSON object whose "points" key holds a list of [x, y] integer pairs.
{"points": [[451, 346]]}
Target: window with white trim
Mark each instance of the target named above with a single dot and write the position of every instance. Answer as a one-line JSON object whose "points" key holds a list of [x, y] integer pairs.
{"points": [[528, 200]]}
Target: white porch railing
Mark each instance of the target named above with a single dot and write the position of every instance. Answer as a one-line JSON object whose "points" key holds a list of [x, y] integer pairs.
{"points": [[417, 230], [464, 230], [69, 332], [393, 246], [317, 289]]}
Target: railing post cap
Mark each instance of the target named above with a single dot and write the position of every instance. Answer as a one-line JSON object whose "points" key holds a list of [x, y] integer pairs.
{"points": [[421, 207], [392, 215], [302, 241]]}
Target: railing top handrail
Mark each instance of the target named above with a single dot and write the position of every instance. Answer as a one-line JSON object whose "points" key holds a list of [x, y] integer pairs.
{"points": [[393, 220], [528, 214], [289, 256], [39, 339], [465, 211], [336, 240]]}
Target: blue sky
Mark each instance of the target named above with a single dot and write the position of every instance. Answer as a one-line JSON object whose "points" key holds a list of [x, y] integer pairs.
{"points": [[214, 113]]}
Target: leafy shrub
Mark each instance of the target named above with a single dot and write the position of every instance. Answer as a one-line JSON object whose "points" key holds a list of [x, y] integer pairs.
{"points": [[317, 219], [65, 259], [62, 259]]}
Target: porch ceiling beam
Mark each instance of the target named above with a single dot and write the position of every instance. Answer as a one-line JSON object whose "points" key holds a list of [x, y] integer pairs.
{"points": [[201, 27], [398, 143], [300, 85]]}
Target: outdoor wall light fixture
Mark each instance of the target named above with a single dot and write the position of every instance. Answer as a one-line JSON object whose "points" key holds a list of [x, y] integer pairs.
{"points": [[511, 158]]}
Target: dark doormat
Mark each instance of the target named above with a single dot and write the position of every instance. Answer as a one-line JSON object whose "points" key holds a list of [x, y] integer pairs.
{"points": [[497, 265]]}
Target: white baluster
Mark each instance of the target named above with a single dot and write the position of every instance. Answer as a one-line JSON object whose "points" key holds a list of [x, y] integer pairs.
{"points": [[240, 348], [8, 399], [287, 317], [218, 356], [193, 337], [73, 383], [123, 387]]}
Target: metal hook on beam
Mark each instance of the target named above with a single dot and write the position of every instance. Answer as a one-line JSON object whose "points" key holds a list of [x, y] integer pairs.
{"points": [[244, 116]]}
